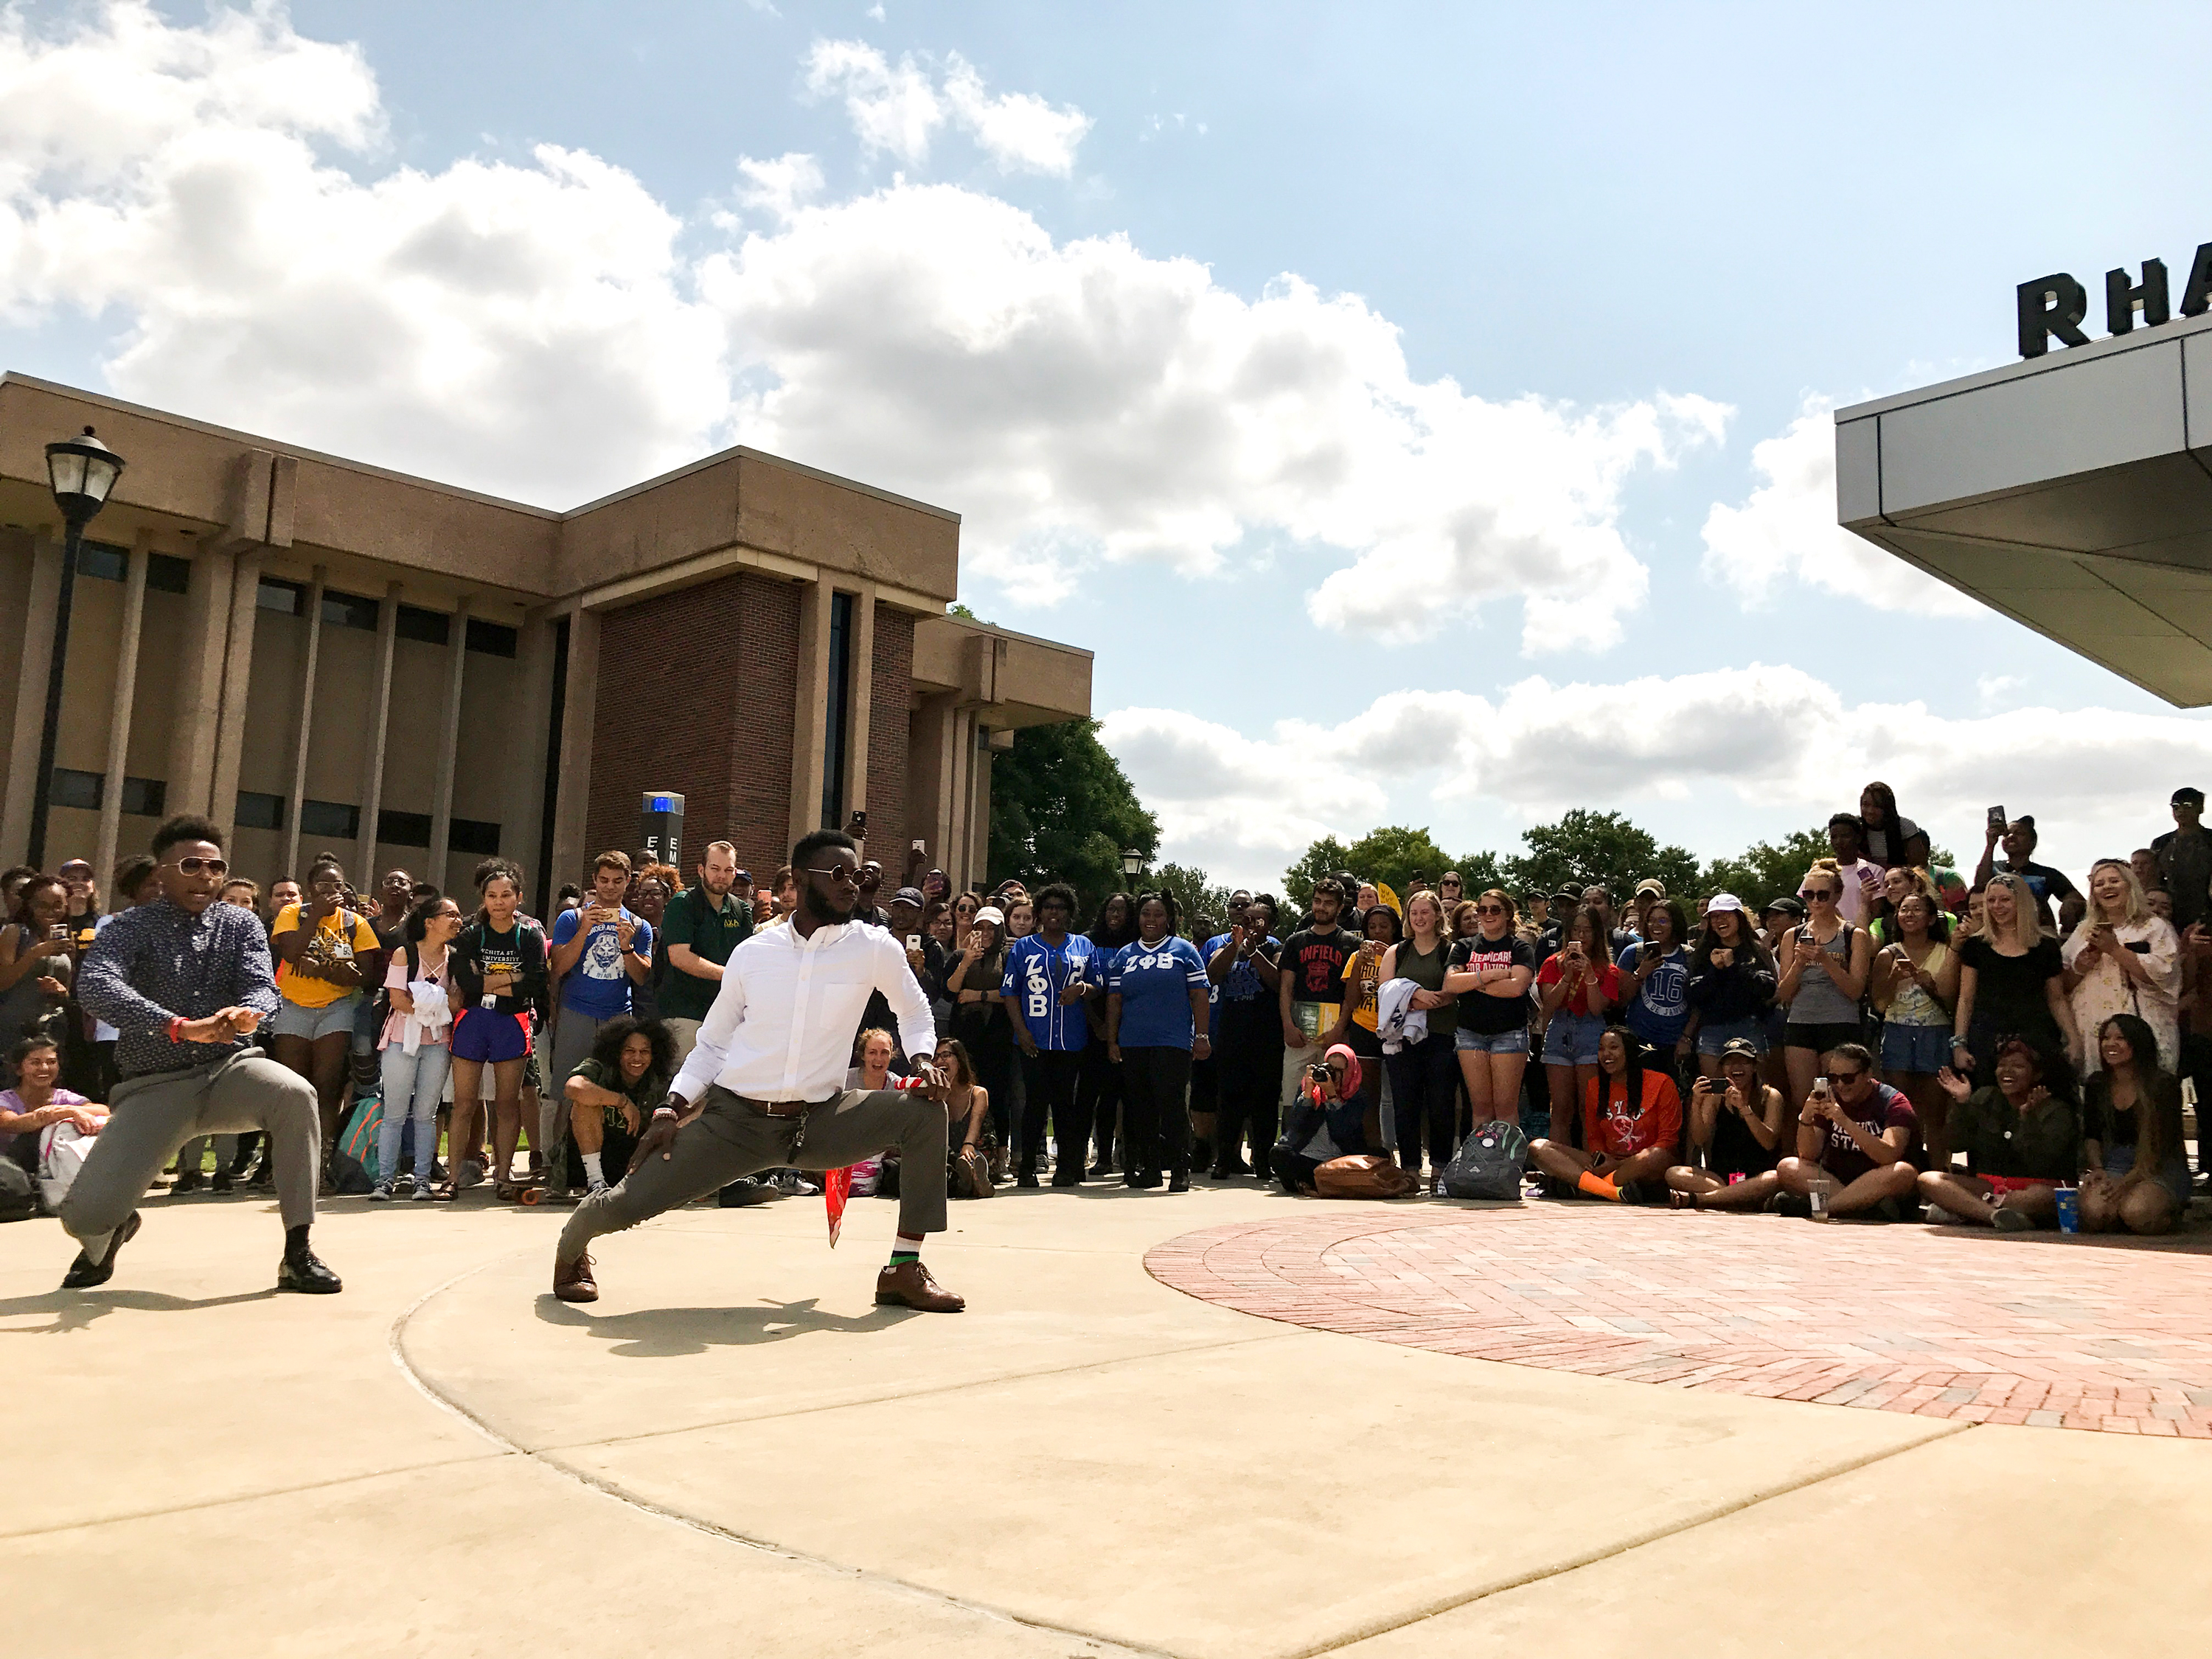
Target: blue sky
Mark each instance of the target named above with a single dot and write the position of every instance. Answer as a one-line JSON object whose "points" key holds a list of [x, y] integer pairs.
{"points": [[1475, 314]]}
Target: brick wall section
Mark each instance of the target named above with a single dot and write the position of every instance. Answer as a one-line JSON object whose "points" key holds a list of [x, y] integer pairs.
{"points": [[695, 695], [890, 716]]}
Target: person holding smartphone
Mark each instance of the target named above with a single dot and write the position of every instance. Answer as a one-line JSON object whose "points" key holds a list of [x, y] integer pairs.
{"points": [[1044, 983], [2121, 959], [600, 954], [1574, 989], [34, 959]]}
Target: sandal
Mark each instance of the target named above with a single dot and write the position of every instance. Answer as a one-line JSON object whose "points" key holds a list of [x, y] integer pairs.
{"points": [[445, 1193], [1681, 1200]]}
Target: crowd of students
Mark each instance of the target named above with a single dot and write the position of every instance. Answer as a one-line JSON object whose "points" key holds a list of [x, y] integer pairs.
{"points": [[1843, 1051]]}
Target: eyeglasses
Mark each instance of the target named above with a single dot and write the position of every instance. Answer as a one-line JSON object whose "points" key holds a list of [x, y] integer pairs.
{"points": [[1814, 894], [844, 874], [194, 867]]}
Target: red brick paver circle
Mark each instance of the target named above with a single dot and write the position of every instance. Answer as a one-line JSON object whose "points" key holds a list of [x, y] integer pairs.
{"points": [[1940, 1321]]}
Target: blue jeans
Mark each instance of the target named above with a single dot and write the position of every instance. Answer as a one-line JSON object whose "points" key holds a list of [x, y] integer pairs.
{"points": [[413, 1086]]}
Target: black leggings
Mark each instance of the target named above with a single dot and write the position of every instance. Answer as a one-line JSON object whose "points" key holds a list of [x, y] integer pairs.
{"points": [[1248, 1086], [1050, 1075], [1425, 1095], [1097, 1101], [1155, 1120]]}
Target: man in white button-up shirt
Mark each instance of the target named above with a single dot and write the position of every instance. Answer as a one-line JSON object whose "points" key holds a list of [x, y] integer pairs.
{"points": [[763, 1088]]}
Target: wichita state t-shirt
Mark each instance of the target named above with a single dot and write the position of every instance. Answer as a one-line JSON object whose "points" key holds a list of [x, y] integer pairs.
{"points": [[1315, 962]]}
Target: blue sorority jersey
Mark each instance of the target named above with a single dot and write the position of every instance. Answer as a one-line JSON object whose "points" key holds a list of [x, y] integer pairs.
{"points": [[1155, 982], [1036, 974]]}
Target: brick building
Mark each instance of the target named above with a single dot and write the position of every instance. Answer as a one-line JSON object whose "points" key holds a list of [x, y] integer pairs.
{"points": [[325, 655]]}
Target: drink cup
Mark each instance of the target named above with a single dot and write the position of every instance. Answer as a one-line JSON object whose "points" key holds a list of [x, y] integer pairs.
{"points": [[2070, 1210], [1824, 1190]]}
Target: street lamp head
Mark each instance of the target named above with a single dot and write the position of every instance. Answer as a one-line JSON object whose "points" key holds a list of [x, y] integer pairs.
{"points": [[82, 470], [1132, 863]]}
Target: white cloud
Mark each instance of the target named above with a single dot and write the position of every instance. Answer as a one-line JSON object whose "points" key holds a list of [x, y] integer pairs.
{"points": [[522, 329], [897, 109], [1788, 528], [1080, 398], [1775, 739], [542, 331]]}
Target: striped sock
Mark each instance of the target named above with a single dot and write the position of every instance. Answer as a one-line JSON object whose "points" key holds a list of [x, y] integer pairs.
{"points": [[905, 1248]]}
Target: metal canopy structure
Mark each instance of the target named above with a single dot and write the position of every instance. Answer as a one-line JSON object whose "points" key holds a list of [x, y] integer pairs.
{"points": [[2072, 491]]}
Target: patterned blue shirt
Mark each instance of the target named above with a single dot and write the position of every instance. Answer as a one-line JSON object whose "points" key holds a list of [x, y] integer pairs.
{"points": [[159, 960], [1036, 974]]}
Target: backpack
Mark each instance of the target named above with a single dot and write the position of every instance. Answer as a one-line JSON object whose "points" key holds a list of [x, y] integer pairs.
{"points": [[62, 1148], [1364, 1174], [353, 1160], [1489, 1164]]}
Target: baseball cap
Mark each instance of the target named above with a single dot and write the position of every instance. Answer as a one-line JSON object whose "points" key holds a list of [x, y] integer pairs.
{"points": [[1743, 1045], [1566, 896], [908, 895], [1652, 885], [84, 865], [992, 913], [1724, 902], [2183, 796], [1788, 906]]}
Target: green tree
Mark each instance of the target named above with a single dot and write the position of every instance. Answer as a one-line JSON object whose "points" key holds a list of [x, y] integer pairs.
{"points": [[1324, 858], [1061, 809], [1196, 894], [1767, 871], [1586, 847]]}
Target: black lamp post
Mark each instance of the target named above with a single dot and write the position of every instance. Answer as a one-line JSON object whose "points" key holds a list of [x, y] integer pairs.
{"points": [[1132, 864], [81, 471]]}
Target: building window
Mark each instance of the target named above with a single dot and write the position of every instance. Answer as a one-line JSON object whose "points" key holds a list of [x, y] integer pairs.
{"points": [[474, 836], [285, 599], [166, 574], [841, 704], [492, 639], [403, 829], [349, 611], [105, 560], [84, 790], [257, 812], [329, 818], [431, 627], [142, 797]]}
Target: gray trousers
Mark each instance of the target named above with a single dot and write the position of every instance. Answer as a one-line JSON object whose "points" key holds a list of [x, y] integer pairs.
{"points": [[153, 1116], [729, 1139], [574, 1033]]}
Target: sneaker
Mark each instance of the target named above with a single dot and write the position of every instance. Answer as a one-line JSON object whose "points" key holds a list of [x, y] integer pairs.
{"points": [[1790, 1204], [381, 1193], [2012, 1221], [1634, 1192], [472, 1174], [796, 1185], [221, 1181], [594, 1190], [1027, 1178], [424, 1192]]}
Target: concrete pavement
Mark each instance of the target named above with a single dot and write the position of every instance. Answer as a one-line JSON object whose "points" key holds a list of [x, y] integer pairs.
{"points": [[735, 1451]]}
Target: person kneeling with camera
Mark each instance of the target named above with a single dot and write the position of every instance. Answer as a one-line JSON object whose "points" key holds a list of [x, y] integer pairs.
{"points": [[1327, 1120]]}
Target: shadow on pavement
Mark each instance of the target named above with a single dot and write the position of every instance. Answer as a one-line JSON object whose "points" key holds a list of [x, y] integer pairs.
{"points": [[670, 1332], [74, 1310]]}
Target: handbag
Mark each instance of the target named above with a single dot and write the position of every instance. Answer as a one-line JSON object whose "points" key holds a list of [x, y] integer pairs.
{"points": [[1364, 1174]]}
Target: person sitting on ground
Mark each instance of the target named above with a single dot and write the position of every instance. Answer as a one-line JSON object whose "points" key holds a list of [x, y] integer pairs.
{"points": [[26, 1111], [1737, 1123], [1731, 984], [614, 1090], [971, 1136], [1632, 1129], [1857, 1135], [2022, 1144], [1326, 1120], [2136, 1165]]}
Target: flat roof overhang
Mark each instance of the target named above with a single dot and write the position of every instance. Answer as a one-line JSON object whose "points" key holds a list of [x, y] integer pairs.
{"points": [[2073, 492]]}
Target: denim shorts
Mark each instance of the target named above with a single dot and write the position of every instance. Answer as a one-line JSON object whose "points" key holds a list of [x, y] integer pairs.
{"points": [[290, 1019], [2174, 1177], [1515, 1042], [1571, 1039], [1711, 1039], [1915, 1047]]}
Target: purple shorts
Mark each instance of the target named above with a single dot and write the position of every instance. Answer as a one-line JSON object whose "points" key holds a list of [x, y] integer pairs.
{"points": [[481, 1035]]}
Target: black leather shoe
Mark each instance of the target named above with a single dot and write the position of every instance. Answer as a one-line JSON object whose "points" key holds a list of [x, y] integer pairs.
{"points": [[1102, 1171], [1068, 1177], [1026, 1178], [1179, 1181], [1144, 1179], [83, 1274], [302, 1271]]}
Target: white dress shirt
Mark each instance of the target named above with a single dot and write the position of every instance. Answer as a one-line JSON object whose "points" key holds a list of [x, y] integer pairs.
{"points": [[781, 1027]]}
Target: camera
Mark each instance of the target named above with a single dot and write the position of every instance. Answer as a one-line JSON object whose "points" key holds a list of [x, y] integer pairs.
{"points": [[1318, 1073]]}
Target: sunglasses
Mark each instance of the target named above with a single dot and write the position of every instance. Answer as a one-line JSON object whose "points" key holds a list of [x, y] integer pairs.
{"points": [[1490, 910], [1845, 1077], [844, 874], [1814, 894], [195, 866]]}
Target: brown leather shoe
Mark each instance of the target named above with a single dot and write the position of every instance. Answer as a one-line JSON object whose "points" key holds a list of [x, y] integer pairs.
{"points": [[910, 1285], [573, 1280]]}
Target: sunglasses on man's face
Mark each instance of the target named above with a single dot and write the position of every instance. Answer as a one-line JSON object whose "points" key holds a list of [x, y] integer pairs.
{"points": [[844, 874], [195, 866], [1841, 1077]]}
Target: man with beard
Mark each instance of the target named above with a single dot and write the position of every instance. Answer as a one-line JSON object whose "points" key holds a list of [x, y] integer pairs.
{"points": [[763, 1089], [702, 925]]}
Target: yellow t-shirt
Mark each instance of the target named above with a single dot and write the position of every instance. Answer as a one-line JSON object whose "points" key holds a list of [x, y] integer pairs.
{"points": [[297, 989]]}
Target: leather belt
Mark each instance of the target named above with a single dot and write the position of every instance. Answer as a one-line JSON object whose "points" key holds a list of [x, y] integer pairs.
{"points": [[780, 1108]]}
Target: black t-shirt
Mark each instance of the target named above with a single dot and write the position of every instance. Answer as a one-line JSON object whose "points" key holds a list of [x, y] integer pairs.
{"points": [[2049, 886], [2009, 991], [1484, 1012], [1315, 962]]}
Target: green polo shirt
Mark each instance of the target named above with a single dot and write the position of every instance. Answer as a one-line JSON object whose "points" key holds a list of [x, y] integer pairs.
{"points": [[2042, 1143], [693, 918]]}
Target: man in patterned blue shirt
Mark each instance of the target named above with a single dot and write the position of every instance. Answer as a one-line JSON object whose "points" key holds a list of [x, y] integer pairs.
{"points": [[185, 981], [1048, 975]]}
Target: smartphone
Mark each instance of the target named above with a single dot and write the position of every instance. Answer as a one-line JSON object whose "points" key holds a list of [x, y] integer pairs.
{"points": [[1997, 818], [913, 941], [920, 845], [857, 825]]}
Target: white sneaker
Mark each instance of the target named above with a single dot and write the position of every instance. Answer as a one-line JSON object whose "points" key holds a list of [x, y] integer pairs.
{"points": [[595, 1188]]}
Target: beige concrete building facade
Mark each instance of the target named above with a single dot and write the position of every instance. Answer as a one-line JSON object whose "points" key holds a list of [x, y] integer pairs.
{"points": [[322, 654]]}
